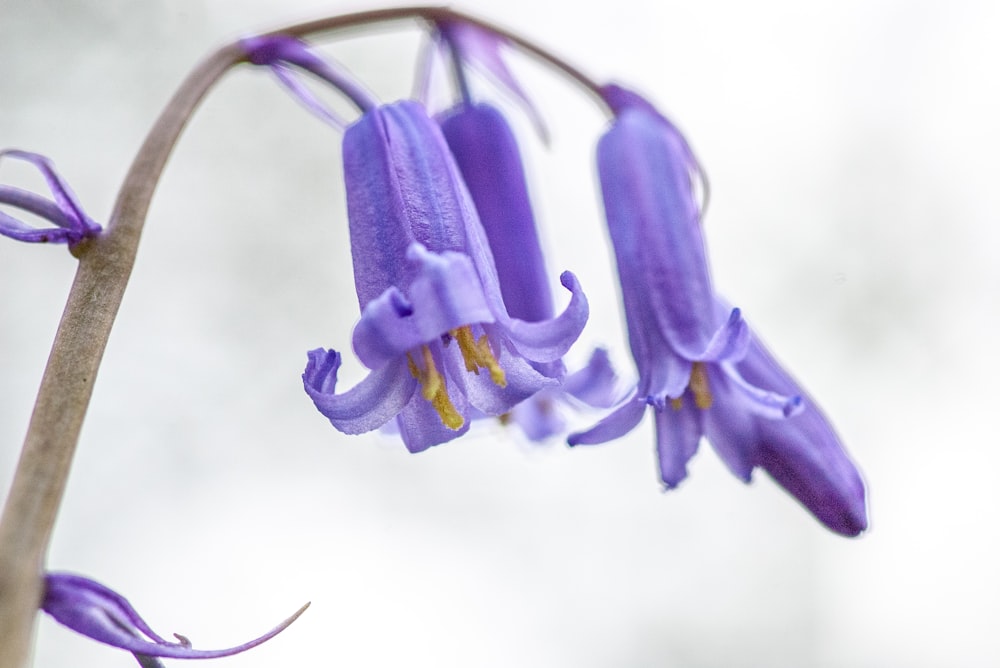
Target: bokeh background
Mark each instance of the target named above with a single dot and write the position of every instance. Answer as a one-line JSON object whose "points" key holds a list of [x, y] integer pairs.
{"points": [[852, 151]]}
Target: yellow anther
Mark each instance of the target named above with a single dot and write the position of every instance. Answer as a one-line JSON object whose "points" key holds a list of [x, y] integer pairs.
{"points": [[477, 354], [677, 403], [699, 386], [434, 390]]}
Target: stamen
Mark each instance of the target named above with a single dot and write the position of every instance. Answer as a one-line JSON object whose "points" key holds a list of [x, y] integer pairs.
{"points": [[699, 386], [477, 354], [677, 403], [434, 390]]}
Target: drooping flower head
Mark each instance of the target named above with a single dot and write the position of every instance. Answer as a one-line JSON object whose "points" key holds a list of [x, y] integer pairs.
{"points": [[701, 371], [441, 344], [72, 224], [435, 331], [93, 610]]}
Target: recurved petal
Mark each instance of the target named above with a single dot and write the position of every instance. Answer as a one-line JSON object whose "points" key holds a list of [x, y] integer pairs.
{"points": [[754, 400], [728, 343], [444, 294], [620, 422], [366, 406], [548, 340], [386, 330]]}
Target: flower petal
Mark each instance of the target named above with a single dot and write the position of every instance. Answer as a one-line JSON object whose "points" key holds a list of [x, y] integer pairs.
{"points": [[728, 343], [366, 406], [620, 422], [654, 222], [678, 431], [444, 295], [420, 425], [548, 340], [539, 416], [102, 615], [522, 380], [596, 384], [803, 453]]}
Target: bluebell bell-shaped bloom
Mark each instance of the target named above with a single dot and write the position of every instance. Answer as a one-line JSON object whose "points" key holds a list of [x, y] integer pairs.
{"points": [[434, 330], [489, 160], [701, 371], [71, 224], [93, 610]]}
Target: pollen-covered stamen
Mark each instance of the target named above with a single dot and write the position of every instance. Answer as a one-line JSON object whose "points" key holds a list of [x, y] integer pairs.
{"points": [[478, 355], [699, 386], [434, 390]]}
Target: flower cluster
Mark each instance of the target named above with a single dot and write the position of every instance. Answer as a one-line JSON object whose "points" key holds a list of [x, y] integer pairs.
{"points": [[457, 320]]}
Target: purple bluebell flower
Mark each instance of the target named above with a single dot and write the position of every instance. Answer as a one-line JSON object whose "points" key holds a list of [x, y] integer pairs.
{"points": [[701, 371], [434, 330], [72, 224], [488, 158], [93, 610]]}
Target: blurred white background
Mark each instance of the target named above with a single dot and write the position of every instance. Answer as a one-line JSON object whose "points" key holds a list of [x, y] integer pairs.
{"points": [[852, 150]]}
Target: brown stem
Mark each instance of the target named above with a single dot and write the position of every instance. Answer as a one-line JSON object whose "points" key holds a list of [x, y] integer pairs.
{"points": [[105, 265], [434, 14]]}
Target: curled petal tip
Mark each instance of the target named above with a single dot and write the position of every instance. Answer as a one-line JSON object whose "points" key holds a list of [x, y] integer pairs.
{"points": [[548, 340], [366, 406]]}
